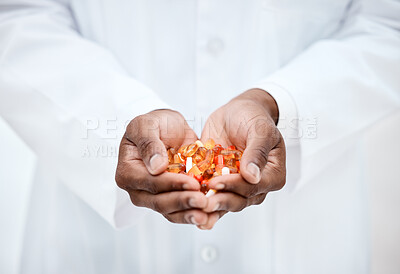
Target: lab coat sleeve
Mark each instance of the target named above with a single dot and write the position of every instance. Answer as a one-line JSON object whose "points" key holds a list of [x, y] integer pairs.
{"points": [[69, 99], [338, 87]]}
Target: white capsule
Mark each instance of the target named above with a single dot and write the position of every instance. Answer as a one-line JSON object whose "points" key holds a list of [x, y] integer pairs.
{"points": [[211, 192], [225, 171], [189, 164]]}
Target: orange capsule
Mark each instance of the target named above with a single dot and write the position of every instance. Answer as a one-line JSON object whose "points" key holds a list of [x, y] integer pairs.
{"points": [[176, 168], [233, 170], [231, 163], [197, 158], [217, 149], [226, 152], [178, 158], [191, 150], [231, 148], [209, 156], [209, 144], [203, 165], [194, 170], [199, 143], [182, 149], [220, 160], [204, 186], [202, 152], [207, 174], [218, 169], [171, 153], [238, 154]]}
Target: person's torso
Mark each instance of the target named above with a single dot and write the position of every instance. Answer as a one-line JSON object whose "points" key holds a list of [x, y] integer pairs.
{"points": [[197, 55]]}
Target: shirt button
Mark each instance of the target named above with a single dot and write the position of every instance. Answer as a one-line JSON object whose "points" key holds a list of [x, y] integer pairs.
{"points": [[209, 254], [215, 46]]}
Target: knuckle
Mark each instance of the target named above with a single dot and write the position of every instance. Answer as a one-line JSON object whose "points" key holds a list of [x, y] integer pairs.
{"points": [[121, 177], [276, 135], [144, 144], [185, 202], [260, 199], [282, 182], [152, 187], [250, 191], [169, 218], [242, 205], [136, 123], [136, 199], [119, 180], [181, 202], [263, 152], [156, 206]]}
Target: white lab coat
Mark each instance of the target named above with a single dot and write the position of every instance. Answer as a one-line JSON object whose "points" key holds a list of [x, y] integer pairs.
{"points": [[67, 66]]}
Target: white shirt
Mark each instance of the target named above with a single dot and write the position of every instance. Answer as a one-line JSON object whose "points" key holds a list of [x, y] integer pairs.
{"points": [[72, 73]]}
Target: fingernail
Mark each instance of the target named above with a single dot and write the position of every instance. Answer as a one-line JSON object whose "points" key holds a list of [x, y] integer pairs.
{"points": [[203, 227], [216, 207], [193, 221], [219, 186], [255, 171], [155, 161]]}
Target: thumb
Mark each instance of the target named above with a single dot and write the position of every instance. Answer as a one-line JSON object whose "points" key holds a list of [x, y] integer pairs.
{"points": [[144, 132], [255, 156]]}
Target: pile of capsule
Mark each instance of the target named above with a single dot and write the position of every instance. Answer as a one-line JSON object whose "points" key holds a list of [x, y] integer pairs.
{"points": [[204, 161]]}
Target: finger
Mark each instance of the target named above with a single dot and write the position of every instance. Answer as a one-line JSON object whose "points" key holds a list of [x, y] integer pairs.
{"points": [[174, 131], [262, 137], [237, 184], [192, 216], [169, 202], [212, 219], [133, 175], [273, 178], [228, 201], [214, 129], [275, 171], [144, 132]]}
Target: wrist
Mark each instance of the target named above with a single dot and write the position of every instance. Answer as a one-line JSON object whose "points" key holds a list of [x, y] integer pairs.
{"points": [[262, 98]]}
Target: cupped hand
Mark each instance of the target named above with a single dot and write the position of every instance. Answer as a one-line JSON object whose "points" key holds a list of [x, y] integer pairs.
{"points": [[249, 123], [143, 159]]}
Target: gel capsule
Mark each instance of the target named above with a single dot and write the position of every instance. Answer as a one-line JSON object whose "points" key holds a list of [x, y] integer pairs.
{"points": [[191, 150], [194, 170], [204, 165], [208, 173], [217, 149], [202, 152], [209, 144], [178, 159], [171, 153], [204, 186], [176, 168], [197, 158], [182, 149]]}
